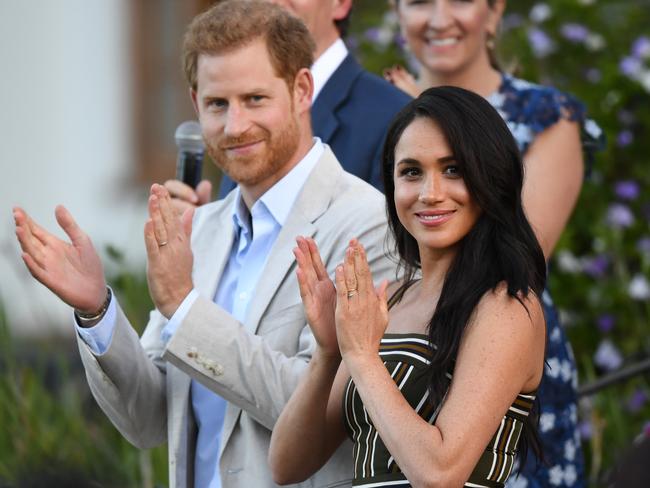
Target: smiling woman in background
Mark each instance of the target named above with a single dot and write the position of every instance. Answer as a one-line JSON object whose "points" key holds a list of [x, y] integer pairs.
{"points": [[453, 41], [434, 386]]}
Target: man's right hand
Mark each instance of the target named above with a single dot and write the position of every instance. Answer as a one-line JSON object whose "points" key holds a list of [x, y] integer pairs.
{"points": [[184, 196], [72, 271]]}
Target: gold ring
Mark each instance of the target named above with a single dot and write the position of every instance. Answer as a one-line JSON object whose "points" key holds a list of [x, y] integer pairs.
{"points": [[351, 293], [162, 244]]}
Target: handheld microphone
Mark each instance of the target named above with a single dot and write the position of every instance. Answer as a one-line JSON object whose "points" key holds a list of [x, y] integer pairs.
{"points": [[190, 152]]}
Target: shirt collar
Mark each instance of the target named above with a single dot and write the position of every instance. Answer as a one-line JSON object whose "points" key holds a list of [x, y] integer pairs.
{"points": [[279, 199], [327, 63]]}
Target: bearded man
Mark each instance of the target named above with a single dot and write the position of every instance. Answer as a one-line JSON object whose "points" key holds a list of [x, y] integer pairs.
{"points": [[351, 108]]}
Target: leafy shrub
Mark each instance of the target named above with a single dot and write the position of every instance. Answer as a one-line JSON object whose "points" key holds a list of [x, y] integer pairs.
{"points": [[52, 432]]}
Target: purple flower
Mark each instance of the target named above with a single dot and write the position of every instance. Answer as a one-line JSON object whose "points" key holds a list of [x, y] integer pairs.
{"points": [[606, 322], [540, 42], [630, 66], [624, 138], [372, 34], [400, 41], [593, 75], [574, 32], [511, 21], [607, 356], [643, 245], [637, 400], [619, 216], [627, 189], [597, 266], [641, 48], [586, 429]]}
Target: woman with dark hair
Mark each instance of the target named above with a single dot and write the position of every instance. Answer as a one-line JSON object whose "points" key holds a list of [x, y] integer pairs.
{"points": [[435, 385], [454, 44]]}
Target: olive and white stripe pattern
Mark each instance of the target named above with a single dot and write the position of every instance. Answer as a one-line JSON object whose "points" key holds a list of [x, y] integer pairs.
{"points": [[406, 357]]}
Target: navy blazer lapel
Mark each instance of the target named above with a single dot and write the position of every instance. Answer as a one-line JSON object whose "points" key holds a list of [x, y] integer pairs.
{"points": [[334, 93]]}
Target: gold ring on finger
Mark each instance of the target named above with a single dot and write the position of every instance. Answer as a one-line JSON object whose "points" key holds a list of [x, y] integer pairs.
{"points": [[351, 293], [164, 243]]}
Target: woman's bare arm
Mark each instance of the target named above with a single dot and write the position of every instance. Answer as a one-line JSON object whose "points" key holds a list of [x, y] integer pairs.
{"points": [[553, 174], [310, 427]]}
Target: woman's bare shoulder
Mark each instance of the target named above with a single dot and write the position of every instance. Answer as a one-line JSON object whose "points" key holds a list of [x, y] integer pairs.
{"points": [[499, 309], [507, 330]]}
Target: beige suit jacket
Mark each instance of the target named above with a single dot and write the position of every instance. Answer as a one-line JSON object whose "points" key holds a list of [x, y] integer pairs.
{"points": [[143, 385]]}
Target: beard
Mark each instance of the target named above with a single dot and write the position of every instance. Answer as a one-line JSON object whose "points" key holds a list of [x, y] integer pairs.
{"points": [[252, 169]]}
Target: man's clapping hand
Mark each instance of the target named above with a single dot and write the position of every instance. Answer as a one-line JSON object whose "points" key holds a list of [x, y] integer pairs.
{"points": [[169, 255]]}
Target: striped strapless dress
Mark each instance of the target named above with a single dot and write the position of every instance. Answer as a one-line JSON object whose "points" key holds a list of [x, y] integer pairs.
{"points": [[406, 357]]}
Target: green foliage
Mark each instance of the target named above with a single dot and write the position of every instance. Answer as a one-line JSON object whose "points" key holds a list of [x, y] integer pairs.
{"points": [[53, 433], [599, 51], [131, 289]]}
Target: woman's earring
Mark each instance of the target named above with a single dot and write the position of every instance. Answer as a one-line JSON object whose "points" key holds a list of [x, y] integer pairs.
{"points": [[491, 41]]}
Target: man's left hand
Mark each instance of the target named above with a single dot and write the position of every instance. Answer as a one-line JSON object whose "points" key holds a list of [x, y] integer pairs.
{"points": [[169, 255]]}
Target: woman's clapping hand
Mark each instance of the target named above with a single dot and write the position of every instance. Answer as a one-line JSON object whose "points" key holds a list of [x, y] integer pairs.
{"points": [[318, 295], [361, 310]]}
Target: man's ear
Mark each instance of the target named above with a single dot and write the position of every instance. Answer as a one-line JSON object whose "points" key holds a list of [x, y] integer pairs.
{"points": [[341, 9], [303, 90], [195, 102]]}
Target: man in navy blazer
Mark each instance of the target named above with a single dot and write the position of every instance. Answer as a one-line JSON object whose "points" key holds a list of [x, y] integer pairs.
{"points": [[352, 108]]}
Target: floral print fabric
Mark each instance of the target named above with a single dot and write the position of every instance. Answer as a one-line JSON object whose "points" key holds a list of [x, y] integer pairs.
{"points": [[528, 110]]}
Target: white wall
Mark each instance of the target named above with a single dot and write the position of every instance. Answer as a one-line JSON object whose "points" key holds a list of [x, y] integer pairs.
{"points": [[64, 132]]}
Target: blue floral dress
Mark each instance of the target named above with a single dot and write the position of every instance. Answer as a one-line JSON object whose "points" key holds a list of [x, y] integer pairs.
{"points": [[529, 109]]}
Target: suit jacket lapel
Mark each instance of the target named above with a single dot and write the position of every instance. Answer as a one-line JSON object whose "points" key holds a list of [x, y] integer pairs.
{"points": [[312, 201], [336, 90], [212, 246]]}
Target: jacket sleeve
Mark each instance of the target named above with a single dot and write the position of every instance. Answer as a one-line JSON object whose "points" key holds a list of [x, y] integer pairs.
{"points": [[237, 364], [128, 381]]}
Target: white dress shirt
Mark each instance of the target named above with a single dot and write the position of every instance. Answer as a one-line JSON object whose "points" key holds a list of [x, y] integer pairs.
{"points": [[326, 64]]}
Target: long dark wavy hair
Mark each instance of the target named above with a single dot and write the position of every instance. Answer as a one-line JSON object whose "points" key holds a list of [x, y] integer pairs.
{"points": [[500, 248]]}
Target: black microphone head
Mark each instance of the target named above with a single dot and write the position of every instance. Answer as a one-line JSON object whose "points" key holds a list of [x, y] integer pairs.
{"points": [[189, 137], [190, 152]]}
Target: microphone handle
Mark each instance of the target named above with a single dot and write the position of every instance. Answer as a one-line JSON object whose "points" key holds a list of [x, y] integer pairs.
{"points": [[188, 167]]}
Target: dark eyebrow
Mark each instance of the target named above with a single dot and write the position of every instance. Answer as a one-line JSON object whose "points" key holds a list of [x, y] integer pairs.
{"points": [[407, 161], [444, 159]]}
